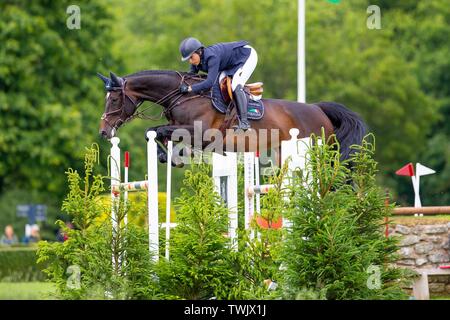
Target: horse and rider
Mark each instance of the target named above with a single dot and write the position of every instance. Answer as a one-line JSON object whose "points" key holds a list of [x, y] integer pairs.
{"points": [[185, 101], [236, 59]]}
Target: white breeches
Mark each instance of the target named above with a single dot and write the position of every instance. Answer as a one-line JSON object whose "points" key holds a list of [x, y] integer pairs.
{"points": [[243, 73]]}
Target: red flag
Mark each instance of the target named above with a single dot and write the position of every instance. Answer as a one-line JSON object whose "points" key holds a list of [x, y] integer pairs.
{"points": [[127, 159], [407, 170]]}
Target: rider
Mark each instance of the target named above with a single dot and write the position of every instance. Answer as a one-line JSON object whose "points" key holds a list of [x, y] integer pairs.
{"points": [[236, 59]]}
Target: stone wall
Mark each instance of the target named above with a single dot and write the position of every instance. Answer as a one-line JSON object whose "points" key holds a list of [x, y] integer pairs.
{"points": [[424, 245]]}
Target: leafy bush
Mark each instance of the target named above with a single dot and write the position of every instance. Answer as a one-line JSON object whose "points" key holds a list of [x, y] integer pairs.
{"points": [[200, 254], [91, 263], [333, 248], [335, 245]]}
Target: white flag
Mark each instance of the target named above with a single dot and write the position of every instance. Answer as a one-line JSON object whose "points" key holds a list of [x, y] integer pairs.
{"points": [[421, 170]]}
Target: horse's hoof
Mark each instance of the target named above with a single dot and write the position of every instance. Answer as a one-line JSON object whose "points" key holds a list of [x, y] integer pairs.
{"points": [[177, 165], [162, 157]]}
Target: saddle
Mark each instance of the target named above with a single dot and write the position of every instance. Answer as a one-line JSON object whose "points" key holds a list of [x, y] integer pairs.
{"points": [[254, 90], [223, 101]]}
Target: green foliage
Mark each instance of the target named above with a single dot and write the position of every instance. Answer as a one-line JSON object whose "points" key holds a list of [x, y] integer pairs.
{"points": [[25, 290], [19, 196], [337, 217], [18, 264], [137, 207], [365, 70], [90, 264], [424, 28], [50, 99], [342, 223], [47, 89], [346, 62], [200, 257], [259, 255], [435, 188]]}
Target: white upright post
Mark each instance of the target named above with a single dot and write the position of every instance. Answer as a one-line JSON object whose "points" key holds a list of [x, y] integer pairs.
{"points": [[125, 180], [296, 149], [289, 151], [232, 198], [257, 195], [115, 182], [152, 169], [416, 187], [226, 166], [301, 65], [249, 181], [168, 194], [125, 198]]}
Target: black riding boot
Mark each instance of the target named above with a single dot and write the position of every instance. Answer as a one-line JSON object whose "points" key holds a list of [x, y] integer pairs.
{"points": [[241, 105]]}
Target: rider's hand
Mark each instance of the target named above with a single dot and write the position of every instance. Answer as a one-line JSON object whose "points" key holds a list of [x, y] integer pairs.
{"points": [[185, 88]]}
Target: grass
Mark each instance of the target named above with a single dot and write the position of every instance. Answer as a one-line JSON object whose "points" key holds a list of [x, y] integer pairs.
{"points": [[26, 290], [41, 291]]}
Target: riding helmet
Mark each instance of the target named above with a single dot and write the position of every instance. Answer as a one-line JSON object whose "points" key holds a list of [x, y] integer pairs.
{"points": [[188, 46]]}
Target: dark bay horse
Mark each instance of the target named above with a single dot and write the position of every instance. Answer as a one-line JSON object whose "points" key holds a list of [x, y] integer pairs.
{"points": [[126, 94]]}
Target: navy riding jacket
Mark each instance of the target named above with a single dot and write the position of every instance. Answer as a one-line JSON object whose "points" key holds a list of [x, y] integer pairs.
{"points": [[225, 56]]}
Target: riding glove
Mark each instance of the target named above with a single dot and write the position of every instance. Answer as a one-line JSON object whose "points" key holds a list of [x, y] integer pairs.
{"points": [[184, 88]]}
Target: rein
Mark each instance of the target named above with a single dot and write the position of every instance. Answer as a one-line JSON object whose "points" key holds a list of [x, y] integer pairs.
{"points": [[175, 93]]}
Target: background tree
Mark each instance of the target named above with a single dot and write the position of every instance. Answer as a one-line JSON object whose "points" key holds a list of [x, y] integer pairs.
{"points": [[48, 91], [51, 101], [423, 30], [335, 245], [200, 265], [377, 73]]}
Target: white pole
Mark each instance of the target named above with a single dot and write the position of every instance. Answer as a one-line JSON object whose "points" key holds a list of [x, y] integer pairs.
{"points": [[226, 166], [257, 196], [232, 198], [115, 181], [416, 186], [301, 65], [125, 180], [152, 171], [249, 181], [168, 194], [125, 198]]}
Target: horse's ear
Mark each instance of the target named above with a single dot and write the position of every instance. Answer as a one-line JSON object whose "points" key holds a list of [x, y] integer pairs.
{"points": [[106, 80], [116, 81]]}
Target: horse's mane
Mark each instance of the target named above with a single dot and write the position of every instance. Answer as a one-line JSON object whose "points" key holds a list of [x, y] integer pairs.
{"points": [[160, 72]]}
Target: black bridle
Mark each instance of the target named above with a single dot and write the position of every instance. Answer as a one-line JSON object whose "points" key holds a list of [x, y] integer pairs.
{"points": [[173, 95], [122, 108]]}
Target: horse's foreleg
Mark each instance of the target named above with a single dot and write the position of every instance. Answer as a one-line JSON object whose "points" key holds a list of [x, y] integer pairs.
{"points": [[166, 133], [160, 142]]}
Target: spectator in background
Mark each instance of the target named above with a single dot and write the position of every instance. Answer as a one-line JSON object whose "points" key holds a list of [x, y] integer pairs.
{"points": [[34, 235], [62, 236], [8, 238]]}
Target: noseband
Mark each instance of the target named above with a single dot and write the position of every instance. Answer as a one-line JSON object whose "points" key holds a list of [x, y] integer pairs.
{"points": [[123, 113], [171, 94]]}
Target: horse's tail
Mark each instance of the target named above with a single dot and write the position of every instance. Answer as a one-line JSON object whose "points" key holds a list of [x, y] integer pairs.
{"points": [[348, 126]]}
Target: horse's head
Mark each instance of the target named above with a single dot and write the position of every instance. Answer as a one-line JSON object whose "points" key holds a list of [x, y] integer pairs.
{"points": [[119, 106]]}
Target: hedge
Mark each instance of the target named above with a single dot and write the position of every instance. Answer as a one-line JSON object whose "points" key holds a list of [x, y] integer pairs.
{"points": [[18, 264]]}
